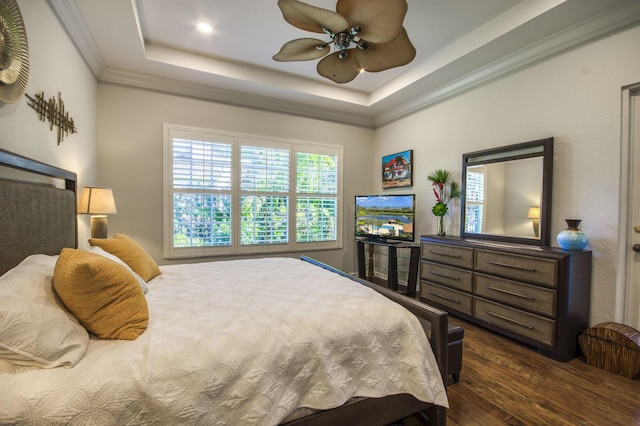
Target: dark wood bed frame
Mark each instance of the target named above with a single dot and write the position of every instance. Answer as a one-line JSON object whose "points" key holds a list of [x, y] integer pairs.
{"points": [[41, 218]]}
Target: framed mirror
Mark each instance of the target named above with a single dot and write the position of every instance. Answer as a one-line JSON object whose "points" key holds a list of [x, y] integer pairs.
{"points": [[507, 193]]}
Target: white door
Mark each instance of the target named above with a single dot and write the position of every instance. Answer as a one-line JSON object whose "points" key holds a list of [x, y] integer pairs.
{"points": [[630, 207], [634, 279]]}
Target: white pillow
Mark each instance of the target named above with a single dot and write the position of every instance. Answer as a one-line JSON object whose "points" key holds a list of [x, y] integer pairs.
{"points": [[35, 328], [101, 252]]}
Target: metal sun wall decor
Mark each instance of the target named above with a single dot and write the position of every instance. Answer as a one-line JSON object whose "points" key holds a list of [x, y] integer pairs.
{"points": [[14, 53], [52, 110]]}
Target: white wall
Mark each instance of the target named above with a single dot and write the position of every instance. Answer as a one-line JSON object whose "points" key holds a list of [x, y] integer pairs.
{"points": [[55, 67], [130, 144], [574, 97]]}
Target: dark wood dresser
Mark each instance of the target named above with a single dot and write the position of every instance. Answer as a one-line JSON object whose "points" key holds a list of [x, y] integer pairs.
{"points": [[538, 295]]}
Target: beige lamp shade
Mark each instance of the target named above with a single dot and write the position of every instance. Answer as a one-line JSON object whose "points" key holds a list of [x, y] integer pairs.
{"points": [[95, 200], [533, 213], [98, 202]]}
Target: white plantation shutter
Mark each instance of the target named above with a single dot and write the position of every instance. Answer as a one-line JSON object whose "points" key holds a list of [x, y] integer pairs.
{"points": [[317, 173], [317, 197], [229, 194], [264, 175], [264, 169], [201, 197], [201, 164], [474, 201], [264, 219], [316, 219]]}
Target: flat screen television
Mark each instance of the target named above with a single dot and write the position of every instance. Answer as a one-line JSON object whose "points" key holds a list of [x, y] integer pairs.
{"points": [[389, 218]]}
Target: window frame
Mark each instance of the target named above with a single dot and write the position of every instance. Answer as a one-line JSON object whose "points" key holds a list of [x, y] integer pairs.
{"points": [[171, 131], [481, 170]]}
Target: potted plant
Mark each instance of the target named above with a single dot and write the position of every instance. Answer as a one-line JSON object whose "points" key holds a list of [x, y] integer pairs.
{"points": [[444, 190]]}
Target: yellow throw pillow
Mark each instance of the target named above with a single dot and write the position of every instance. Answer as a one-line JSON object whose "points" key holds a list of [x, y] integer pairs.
{"points": [[103, 295], [130, 253]]}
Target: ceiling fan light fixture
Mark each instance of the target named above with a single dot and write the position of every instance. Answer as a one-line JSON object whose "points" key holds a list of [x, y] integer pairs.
{"points": [[343, 40], [374, 27]]}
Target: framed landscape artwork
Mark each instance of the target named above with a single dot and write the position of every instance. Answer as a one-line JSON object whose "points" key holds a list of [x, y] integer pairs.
{"points": [[397, 170]]}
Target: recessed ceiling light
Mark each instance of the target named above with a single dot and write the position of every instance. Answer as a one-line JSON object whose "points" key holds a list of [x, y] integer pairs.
{"points": [[204, 27]]}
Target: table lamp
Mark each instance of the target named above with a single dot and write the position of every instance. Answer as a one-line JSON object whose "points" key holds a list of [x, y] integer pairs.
{"points": [[97, 202], [534, 215]]}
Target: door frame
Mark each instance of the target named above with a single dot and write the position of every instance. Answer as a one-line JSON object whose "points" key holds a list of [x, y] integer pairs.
{"points": [[623, 274]]}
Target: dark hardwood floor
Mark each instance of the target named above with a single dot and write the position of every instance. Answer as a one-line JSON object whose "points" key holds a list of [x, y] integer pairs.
{"points": [[506, 383]]}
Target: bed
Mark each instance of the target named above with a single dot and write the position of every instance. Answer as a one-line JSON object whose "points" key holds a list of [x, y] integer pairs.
{"points": [[257, 341]]}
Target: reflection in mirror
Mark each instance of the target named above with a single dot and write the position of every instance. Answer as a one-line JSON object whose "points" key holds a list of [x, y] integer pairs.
{"points": [[507, 193]]}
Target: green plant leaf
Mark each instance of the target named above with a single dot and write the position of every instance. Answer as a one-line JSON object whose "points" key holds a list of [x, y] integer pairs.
{"points": [[439, 176], [440, 209]]}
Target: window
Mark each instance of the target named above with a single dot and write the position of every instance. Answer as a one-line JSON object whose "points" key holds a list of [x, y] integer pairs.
{"points": [[235, 194], [474, 200]]}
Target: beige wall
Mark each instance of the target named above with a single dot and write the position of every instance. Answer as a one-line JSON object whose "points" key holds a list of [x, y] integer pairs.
{"points": [[55, 67], [574, 97], [130, 144]]}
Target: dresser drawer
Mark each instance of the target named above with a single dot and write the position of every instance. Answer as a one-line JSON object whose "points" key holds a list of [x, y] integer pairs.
{"points": [[532, 326], [529, 297], [518, 267], [453, 299], [447, 275], [461, 257]]}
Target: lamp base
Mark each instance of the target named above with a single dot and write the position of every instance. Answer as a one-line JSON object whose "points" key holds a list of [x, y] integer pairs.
{"points": [[99, 226], [536, 228]]}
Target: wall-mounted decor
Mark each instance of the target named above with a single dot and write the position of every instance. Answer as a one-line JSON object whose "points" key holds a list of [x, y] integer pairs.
{"points": [[397, 170], [52, 110], [14, 53]]}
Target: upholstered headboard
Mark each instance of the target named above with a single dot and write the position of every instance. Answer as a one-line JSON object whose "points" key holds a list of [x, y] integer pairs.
{"points": [[35, 217]]}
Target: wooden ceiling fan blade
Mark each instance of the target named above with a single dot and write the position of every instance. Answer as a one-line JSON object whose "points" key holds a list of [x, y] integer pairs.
{"points": [[339, 70], [302, 49], [311, 18], [380, 57], [380, 21]]}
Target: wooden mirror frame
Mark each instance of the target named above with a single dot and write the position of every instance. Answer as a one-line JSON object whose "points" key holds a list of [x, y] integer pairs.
{"points": [[538, 148]]}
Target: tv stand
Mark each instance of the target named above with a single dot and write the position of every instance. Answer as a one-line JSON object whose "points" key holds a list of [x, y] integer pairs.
{"points": [[366, 270], [380, 241]]}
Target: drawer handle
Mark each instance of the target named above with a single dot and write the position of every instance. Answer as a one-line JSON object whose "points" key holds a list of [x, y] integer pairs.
{"points": [[444, 297], [444, 275], [511, 293], [506, 265], [530, 327], [455, 256]]}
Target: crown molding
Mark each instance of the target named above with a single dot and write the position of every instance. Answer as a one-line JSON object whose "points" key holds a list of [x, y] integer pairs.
{"points": [[618, 19], [208, 93], [72, 22]]}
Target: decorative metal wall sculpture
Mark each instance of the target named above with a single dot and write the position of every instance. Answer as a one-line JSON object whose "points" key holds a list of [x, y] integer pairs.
{"points": [[14, 53], [52, 110]]}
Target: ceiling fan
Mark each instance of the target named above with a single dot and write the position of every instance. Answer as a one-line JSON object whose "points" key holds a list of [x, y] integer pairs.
{"points": [[367, 35]]}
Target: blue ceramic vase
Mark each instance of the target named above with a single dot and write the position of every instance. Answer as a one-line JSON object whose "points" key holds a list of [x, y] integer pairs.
{"points": [[573, 238]]}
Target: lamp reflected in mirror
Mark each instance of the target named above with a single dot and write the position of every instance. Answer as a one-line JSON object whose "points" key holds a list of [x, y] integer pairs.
{"points": [[98, 202], [534, 215]]}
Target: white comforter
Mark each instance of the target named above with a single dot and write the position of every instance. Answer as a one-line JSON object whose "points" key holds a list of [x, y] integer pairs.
{"points": [[235, 342]]}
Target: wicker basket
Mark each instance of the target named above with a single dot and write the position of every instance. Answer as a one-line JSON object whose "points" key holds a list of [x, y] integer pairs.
{"points": [[612, 347]]}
